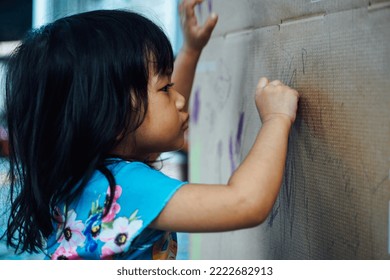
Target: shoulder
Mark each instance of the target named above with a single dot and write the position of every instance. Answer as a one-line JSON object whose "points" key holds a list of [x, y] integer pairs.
{"points": [[140, 174], [128, 167]]}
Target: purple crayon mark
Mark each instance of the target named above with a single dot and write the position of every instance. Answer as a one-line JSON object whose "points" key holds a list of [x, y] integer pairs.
{"points": [[210, 5], [231, 155], [239, 132], [196, 107], [200, 10], [234, 148]]}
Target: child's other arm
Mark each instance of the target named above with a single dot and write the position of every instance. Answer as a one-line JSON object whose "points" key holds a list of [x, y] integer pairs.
{"points": [[251, 191], [195, 38]]}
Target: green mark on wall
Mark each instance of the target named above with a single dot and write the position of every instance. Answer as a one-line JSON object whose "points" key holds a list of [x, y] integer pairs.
{"points": [[195, 249], [195, 162], [195, 177]]}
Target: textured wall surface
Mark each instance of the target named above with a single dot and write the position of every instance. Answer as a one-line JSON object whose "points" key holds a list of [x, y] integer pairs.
{"points": [[334, 201]]}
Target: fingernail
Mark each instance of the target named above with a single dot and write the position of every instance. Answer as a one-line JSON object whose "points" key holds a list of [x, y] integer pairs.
{"points": [[263, 82], [213, 15]]}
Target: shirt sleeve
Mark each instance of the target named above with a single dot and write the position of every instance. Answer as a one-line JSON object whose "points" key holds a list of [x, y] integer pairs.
{"points": [[144, 193]]}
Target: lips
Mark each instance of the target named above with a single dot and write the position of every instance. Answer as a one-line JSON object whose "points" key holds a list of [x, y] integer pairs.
{"points": [[185, 123]]}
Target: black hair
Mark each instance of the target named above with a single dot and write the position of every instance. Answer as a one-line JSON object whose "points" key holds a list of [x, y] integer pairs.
{"points": [[72, 87]]}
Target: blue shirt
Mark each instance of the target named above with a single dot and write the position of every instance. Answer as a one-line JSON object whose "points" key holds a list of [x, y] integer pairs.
{"points": [[141, 193]]}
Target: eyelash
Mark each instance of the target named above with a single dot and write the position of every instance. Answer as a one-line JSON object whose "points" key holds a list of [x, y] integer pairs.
{"points": [[167, 87]]}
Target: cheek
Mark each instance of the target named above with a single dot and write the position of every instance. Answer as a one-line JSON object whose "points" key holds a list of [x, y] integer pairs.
{"points": [[164, 137], [160, 131]]}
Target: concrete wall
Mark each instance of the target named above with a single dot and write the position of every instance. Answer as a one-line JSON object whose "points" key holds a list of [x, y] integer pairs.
{"points": [[334, 202]]}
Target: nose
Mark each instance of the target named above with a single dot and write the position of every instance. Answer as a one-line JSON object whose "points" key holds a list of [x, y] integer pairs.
{"points": [[180, 101]]}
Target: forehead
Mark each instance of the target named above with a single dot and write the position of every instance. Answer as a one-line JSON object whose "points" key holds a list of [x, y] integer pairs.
{"points": [[156, 69], [157, 79], [160, 63], [157, 74]]}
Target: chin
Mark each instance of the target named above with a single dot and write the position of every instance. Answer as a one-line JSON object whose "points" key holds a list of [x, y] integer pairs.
{"points": [[179, 146]]}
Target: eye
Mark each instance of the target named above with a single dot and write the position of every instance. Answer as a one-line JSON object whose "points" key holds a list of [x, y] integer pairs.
{"points": [[167, 87]]}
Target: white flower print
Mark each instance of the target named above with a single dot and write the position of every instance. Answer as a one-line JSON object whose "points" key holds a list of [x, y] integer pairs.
{"points": [[119, 237], [72, 235]]}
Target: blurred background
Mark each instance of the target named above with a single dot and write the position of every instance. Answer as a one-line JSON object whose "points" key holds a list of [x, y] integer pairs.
{"points": [[19, 16]]}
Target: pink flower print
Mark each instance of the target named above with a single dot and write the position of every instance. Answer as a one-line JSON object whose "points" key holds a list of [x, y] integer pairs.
{"points": [[62, 254], [72, 235], [115, 207], [119, 237]]}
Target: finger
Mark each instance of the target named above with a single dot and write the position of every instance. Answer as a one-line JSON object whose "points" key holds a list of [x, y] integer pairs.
{"points": [[189, 7], [187, 12], [209, 25], [263, 82], [297, 93], [181, 9], [193, 3], [276, 83]]}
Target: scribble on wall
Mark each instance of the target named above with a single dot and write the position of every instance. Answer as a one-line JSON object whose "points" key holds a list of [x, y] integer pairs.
{"points": [[195, 109], [222, 83], [235, 144], [336, 180]]}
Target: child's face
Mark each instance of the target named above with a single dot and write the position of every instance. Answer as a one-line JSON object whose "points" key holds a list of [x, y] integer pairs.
{"points": [[165, 122]]}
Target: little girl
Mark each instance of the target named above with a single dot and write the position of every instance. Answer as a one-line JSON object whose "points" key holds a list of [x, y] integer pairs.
{"points": [[90, 102]]}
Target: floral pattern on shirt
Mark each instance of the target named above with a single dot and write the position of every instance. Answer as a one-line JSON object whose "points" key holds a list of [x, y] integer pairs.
{"points": [[119, 237], [116, 233]]}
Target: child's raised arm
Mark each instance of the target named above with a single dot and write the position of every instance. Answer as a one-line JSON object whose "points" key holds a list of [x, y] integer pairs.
{"points": [[195, 38], [252, 189]]}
